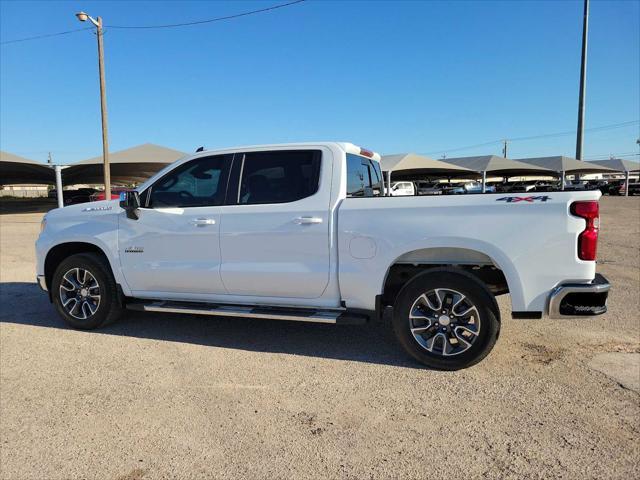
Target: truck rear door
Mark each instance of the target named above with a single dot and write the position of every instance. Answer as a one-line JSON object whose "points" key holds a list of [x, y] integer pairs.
{"points": [[274, 234]]}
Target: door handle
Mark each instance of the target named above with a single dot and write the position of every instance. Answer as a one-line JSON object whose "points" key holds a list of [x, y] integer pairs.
{"points": [[203, 222], [307, 220]]}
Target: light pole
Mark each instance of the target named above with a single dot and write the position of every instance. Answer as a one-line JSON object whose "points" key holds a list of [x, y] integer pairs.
{"points": [[83, 17]]}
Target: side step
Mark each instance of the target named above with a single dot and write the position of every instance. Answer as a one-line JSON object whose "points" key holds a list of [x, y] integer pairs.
{"points": [[340, 317]]}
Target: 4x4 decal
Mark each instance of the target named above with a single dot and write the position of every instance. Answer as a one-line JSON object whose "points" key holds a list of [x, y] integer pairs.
{"points": [[537, 198]]}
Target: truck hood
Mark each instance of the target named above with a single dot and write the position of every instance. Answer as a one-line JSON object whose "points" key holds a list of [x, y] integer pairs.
{"points": [[104, 207]]}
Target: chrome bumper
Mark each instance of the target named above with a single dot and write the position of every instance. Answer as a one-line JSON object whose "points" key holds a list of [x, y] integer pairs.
{"points": [[40, 280], [579, 299]]}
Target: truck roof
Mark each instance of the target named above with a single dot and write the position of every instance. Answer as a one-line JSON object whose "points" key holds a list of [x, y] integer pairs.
{"points": [[346, 146]]}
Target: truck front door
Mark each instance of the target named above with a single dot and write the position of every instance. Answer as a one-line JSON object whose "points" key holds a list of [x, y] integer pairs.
{"points": [[174, 245]]}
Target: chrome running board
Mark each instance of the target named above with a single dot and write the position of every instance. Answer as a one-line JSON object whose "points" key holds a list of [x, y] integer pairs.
{"points": [[243, 311]]}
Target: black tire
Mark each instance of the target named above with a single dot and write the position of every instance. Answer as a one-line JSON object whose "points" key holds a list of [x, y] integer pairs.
{"points": [[108, 308], [477, 295]]}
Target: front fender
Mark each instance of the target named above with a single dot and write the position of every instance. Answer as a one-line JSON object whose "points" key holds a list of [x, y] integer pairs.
{"points": [[100, 232]]}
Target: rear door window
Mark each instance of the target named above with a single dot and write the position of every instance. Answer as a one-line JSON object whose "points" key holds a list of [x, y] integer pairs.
{"points": [[279, 176]]}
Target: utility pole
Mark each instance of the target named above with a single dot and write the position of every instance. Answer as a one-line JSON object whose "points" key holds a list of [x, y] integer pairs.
{"points": [[83, 17], [504, 148], [583, 76]]}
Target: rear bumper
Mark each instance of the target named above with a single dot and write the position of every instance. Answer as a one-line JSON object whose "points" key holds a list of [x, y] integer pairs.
{"points": [[579, 299]]}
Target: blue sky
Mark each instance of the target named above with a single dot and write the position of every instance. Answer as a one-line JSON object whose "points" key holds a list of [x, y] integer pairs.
{"points": [[392, 76]]}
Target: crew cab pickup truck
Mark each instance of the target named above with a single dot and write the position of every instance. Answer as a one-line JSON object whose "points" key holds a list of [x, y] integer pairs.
{"points": [[304, 232]]}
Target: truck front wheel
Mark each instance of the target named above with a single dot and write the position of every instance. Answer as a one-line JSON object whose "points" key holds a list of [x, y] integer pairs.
{"points": [[84, 291], [446, 319]]}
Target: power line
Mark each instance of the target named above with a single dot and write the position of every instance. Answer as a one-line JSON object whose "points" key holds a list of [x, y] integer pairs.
{"points": [[613, 155], [571, 132], [485, 144], [211, 20], [47, 35], [535, 137], [199, 22]]}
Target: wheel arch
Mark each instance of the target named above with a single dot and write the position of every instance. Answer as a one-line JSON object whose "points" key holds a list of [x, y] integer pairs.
{"points": [[59, 252], [484, 262]]}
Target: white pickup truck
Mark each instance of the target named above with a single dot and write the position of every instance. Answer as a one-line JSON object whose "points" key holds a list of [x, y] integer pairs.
{"points": [[303, 232]]}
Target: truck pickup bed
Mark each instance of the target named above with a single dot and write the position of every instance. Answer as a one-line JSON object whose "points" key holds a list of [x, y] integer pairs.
{"points": [[304, 232]]}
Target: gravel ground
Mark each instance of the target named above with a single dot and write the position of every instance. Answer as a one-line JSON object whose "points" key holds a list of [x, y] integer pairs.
{"points": [[168, 396]]}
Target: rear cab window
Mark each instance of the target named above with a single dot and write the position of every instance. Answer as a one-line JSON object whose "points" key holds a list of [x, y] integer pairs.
{"points": [[364, 177]]}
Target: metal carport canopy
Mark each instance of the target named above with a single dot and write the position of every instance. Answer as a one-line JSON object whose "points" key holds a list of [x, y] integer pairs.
{"points": [[15, 170], [625, 166], [132, 165], [560, 164], [411, 165], [618, 164], [499, 166]]}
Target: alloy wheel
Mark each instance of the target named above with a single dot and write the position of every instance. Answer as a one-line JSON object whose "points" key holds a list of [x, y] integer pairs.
{"points": [[79, 293], [444, 322]]}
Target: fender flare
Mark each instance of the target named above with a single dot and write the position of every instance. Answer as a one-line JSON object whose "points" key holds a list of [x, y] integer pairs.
{"points": [[100, 245], [497, 256]]}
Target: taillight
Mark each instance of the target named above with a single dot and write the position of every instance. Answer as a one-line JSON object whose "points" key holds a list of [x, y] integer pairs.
{"points": [[588, 239]]}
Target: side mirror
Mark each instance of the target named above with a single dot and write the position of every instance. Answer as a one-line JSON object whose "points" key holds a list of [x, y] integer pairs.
{"points": [[130, 202]]}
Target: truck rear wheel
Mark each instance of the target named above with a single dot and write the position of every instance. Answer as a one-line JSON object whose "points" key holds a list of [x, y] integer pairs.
{"points": [[446, 319], [84, 291]]}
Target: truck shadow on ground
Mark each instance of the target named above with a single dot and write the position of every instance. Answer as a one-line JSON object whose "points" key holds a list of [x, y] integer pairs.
{"points": [[23, 303]]}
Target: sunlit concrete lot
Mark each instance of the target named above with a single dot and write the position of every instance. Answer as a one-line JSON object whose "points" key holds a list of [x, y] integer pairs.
{"points": [[168, 396]]}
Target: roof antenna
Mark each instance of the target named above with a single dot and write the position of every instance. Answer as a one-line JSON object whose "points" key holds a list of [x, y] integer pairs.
{"points": [[200, 149]]}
